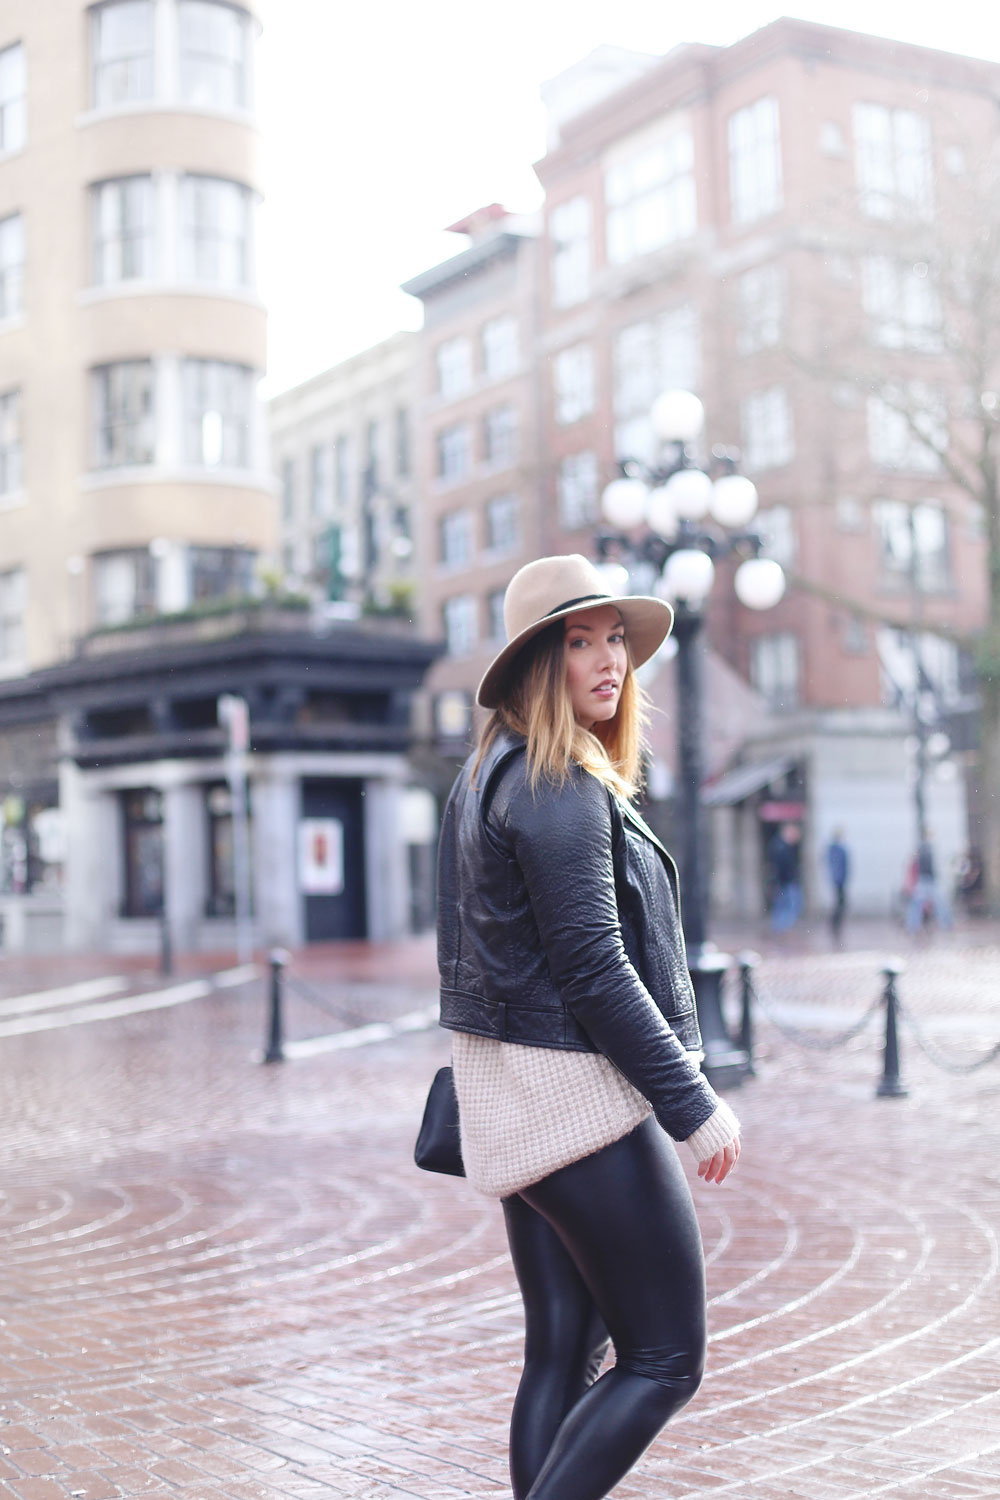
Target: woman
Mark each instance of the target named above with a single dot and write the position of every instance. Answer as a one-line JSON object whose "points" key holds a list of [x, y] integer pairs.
{"points": [[564, 980]]}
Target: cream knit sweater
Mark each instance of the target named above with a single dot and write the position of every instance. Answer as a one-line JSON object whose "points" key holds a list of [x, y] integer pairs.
{"points": [[526, 1111]]}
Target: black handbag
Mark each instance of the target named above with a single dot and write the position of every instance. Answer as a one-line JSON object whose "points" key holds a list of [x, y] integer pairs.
{"points": [[439, 1145]]}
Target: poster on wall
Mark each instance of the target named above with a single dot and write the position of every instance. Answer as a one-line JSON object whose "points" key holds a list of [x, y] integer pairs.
{"points": [[321, 856]]}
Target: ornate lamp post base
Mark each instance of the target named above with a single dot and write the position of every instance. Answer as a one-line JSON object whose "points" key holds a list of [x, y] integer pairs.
{"points": [[726, 1063]]}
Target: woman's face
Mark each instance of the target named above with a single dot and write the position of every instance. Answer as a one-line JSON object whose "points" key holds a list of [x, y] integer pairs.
{"points": [[596, 663]]}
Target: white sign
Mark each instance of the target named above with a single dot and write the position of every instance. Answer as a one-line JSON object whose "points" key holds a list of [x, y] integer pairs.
{"points": [[321, 856]]}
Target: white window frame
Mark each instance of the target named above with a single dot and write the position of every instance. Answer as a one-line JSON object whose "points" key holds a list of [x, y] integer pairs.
{"points": [[762, 305], [913, 544], [577, 489], [200, 72], [776, 526], [11, 444], [321, 480], [124, 430], [454, 452], [453, 362], [893, 153], [573, 382], [11, 266], [13, 99], [892, 443], [216, 232], [497, 630], [501, 436], [124, 585], [500, 347], [123, 77], [13, 607], [571, 231], [755, 176], [456, 539], [776, 668], [901, 303], [123, 220], [218, 399], [460, 614], [503, 524], [658, 354], [767, 428], [651, 196]]}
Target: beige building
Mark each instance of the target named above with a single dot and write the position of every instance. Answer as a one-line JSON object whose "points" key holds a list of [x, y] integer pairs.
{"points": [[342, 449], [133, 476]]}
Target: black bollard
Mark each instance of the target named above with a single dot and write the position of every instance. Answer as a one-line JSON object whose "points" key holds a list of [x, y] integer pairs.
{"points": [[277, 958], [748, 962], [890, 1085]]}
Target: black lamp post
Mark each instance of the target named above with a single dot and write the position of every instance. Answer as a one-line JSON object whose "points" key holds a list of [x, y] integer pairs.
{"points": [[690, 522]]}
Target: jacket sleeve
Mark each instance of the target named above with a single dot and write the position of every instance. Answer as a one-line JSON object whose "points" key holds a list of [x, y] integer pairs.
{"points": [[561, 839]]}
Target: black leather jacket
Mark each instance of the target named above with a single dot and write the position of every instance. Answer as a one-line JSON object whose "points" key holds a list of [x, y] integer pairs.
{"points": [[558, 926]]}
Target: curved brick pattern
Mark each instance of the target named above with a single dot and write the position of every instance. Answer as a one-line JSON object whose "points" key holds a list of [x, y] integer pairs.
{"points": [[226, 1280]]}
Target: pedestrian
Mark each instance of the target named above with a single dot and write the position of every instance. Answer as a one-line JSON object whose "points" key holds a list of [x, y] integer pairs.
{"points": [[838, 867], [925, 893], [783, 853], [575, 1035]]}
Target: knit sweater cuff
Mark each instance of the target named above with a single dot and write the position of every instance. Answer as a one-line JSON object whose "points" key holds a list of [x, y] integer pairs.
{"points": [[718, 1130]]}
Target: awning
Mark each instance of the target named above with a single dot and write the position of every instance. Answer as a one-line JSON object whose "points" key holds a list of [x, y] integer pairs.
{"points": [[739, 783]]}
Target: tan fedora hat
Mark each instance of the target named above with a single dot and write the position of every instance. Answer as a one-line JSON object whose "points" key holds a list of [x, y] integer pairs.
{"points": [[552, 587]]}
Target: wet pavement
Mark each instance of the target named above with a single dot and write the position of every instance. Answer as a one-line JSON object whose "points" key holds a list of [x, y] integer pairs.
{"points": [[226, 1279]]}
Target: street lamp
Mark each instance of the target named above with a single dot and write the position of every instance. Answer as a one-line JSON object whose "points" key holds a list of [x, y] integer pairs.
{"points": [[692, 520]]}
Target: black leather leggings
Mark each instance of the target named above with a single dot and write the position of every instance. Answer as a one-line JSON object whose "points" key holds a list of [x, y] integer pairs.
{"points": [[608, 1246]]}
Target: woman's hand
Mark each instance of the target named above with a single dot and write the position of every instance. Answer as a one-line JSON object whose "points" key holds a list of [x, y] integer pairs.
{"points": [[718, 1167]]}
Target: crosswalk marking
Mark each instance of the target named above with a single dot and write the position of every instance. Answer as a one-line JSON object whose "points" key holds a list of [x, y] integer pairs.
{"points": [[106, 1010], [67, 994]]}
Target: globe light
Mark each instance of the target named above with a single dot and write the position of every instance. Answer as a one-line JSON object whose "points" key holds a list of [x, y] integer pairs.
{"points": [[624, 503], [660, 513], [759, 583], [689, 492], [614, 576], [677, 416], [688, 576], [734, 500]]}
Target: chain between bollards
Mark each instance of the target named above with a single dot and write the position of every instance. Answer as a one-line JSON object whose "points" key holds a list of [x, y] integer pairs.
{"points": [[274, 1052], [890, 1085]]}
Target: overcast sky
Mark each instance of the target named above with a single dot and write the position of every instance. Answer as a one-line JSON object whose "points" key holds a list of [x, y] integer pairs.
{"points": [[383, 121]]}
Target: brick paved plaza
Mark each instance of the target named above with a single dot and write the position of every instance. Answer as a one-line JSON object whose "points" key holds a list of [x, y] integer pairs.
{"points": [[223, 1279]]}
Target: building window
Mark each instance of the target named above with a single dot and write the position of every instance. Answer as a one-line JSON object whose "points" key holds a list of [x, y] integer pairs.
{"points": [[754, 161], [893, 162], [766, 425], [142, 817], [288, 491], [910, 660], [321, 479], [500, 433], [651, 198], [454, 367], [124, 418], [762, 296], [219, 573], [11, 265], [11, 477], [659, 354], [901, 303], [494, 617], [456, 540], [13, 597], [215, 44], [569, 226], [573, 378], [576, 487], [912, 544], [461, 624], [402, 443], [342, 460], [454, 452], [499, 340], [124, 585], [13, 99], [775, 668], [503, 532], [122, 51], [908, 429], [216, 231], [218, 410], [776, 527], [123, 224]]}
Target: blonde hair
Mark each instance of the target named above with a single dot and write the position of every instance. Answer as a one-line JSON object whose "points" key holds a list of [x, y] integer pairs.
{"points": [[537, 705]]}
